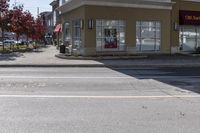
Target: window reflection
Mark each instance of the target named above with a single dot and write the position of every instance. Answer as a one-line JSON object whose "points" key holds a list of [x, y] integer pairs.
{"points": [[148, 36], [77, 34], [189, 38], [110, 35]]}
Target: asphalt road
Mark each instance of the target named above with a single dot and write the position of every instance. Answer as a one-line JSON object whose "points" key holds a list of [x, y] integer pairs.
{"points": [[99, 100]]}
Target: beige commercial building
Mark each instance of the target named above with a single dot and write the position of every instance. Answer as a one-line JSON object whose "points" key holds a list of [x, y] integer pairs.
{"points": [[125, 27]]}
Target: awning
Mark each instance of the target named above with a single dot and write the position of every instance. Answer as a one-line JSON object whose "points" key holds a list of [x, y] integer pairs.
{"points": [[58, 28]]}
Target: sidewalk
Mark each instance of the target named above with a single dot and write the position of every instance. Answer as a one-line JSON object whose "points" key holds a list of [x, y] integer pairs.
{"points": [[41, 57], [45, 57]]}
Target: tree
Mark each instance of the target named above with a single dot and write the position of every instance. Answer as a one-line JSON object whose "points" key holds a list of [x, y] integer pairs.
{"points": [[21, 22], [17, 20], [4, 17], [28, 21], [39, 29], [4, 5]]}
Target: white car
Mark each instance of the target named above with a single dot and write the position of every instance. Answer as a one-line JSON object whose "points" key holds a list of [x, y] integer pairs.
{"points": [[9, 42]]}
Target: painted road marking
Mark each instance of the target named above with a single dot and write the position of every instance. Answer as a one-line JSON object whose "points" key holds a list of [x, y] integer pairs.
{"points": [[113, 77], [100, 97], [50, 77]]}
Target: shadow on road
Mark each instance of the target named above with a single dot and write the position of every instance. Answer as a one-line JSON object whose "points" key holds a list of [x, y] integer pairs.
{"points": [[184, 78]]}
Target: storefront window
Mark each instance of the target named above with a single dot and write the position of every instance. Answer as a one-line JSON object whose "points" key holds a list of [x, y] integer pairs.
{"points": [[67, 35], [110, 35], [148, 35], [189, 38], [77, 34], [54, 18]]}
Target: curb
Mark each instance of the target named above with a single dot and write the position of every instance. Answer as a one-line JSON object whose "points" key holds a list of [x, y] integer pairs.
{"points": [[62, 56], [103, 65], [53, 65]]}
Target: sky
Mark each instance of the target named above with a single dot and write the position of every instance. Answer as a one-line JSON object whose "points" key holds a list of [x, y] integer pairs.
{"points": [[32, 5]]}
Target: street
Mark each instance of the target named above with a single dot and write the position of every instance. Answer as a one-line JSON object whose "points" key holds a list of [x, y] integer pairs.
{"points": [[99, 100]]}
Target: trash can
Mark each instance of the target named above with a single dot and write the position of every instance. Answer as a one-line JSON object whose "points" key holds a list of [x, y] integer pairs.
{"points": [[62, 49]]}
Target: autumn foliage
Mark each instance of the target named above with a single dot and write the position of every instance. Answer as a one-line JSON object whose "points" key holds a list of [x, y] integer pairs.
{"points": [[17, 18], [21, 22], [39, 29], [4, 17]]}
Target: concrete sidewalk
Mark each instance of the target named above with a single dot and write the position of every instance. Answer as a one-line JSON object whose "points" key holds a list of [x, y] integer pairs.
{"points": [[45, 57], [42, 57]]}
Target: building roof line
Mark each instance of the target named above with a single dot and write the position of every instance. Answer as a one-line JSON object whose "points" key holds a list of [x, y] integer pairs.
{"points": [[148, 5]]}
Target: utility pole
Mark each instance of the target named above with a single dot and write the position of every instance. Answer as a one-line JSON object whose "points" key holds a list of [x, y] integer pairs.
{"points": [[38, 11]]}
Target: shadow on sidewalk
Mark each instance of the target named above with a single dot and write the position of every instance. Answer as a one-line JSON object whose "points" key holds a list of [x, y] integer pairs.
{"points": [[10, 56], [14, 55]]}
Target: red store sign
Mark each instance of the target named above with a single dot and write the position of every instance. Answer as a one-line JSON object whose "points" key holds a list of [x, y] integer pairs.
{"points": [[189, 17]]}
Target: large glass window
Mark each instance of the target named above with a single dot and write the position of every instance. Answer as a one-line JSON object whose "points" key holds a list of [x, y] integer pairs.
{"points": [[110, 35], [189, 38], [67, 34], [148, 36], [54, 18], [77, 34]]}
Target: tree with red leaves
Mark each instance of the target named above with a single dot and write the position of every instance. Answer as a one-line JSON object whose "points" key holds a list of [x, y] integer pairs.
{"points": [[39, 29], [17, 20], [29, 23], [23, 23], [4, 17], [3, 13]]}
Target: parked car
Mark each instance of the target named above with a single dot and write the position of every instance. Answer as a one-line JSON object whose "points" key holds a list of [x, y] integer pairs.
{"points": [[9, 42]]}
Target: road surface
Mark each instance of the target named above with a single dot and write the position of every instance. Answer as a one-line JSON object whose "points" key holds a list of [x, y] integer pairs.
{"points": [[99, 100]]}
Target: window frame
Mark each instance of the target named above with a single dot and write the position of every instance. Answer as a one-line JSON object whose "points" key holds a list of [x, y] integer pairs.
{"points": [[76, 36], [156, 37], [67, 35], [183, 35], [119, 25]]}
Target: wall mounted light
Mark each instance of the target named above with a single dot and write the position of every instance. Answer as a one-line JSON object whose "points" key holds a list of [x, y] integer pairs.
{"points": [[90, 24], [176, 26]]}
